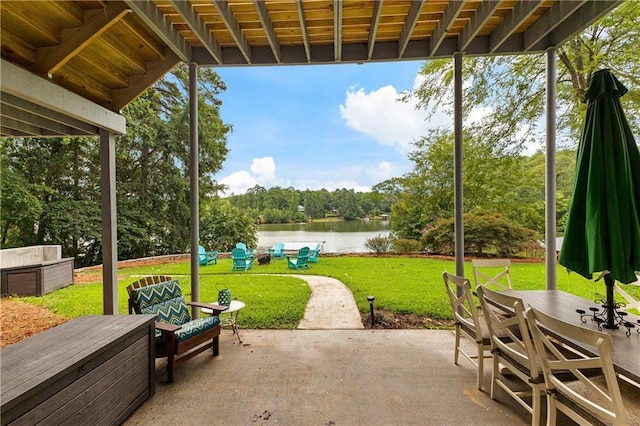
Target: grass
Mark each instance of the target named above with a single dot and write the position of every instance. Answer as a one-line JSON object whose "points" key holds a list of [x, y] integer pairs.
{"points": [[399, 284]]}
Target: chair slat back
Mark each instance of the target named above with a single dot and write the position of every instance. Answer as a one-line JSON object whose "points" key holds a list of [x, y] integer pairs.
{"points": [[492, 273], [303, 256], [600, 399], [143, 282], [508, 329], [462, 302]]}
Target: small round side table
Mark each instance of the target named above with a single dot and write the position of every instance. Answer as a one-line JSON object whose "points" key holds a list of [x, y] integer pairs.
{"points": [[232, 320]]}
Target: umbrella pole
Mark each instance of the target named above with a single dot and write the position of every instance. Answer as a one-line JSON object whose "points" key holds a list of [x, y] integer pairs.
{"points": [[610, 305]]}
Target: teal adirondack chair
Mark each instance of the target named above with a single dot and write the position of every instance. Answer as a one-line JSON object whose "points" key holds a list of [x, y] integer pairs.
{"points": [[277, 252], [299, 262], [207, 257], [241, 262], [313, 254], [243, 246]]}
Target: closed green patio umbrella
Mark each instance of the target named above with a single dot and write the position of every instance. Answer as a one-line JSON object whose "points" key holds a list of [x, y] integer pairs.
{"points": [[603, 225]]}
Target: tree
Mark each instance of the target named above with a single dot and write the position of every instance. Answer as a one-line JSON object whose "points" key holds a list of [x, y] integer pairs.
{"points": [[428, 192], [512, 88], [222, 225], [153, 163], [51, 188], [347, 203]]}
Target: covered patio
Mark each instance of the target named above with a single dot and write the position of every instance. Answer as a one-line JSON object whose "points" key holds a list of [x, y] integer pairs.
{"points": [[69, 67]]}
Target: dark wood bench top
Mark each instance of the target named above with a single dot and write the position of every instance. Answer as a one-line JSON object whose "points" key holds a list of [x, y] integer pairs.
{"points": [[29, 365]]}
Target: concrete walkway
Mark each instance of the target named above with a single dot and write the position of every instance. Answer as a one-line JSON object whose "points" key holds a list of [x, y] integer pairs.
{"points": [[330, 307]]}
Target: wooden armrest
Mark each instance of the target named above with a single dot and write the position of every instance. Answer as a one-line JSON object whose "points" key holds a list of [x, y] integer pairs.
{"points": [[216, 309], [170, 328]]}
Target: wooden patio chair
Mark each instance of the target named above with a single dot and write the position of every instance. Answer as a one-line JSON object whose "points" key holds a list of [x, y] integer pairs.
{"points": [[313, 254], [299, 262], [277, 251], [178, 337], [492, 273], [248, 251], [514, 356], [588, 398], [241, 261], [468, 323], [207, 257]]}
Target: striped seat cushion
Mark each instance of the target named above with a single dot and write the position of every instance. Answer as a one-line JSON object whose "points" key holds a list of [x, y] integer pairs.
{"points": [[164, 300], [196, 327]]}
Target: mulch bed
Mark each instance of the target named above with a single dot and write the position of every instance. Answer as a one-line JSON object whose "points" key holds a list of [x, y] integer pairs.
{"points": [[390, 320], [19, 320]]}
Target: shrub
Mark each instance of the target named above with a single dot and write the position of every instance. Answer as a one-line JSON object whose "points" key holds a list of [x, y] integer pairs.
{"points": [[482, 231], [379, 244], [406, 245]]}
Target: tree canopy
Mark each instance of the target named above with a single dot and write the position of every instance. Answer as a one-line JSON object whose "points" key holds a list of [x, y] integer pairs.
{"points": [[51, 193], [509, 94]]}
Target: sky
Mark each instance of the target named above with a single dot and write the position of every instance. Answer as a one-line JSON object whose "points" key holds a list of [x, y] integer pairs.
{"points": [[320, 126]]}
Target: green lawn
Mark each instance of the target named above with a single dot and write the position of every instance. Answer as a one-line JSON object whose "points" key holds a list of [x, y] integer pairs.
{"points": [[399, 284]]}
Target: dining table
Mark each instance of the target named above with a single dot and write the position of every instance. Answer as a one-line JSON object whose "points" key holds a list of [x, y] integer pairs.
{"points": [[564, 306]]}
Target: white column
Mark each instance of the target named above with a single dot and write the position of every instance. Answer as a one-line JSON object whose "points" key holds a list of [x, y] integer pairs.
{"points": [[550, 165]]}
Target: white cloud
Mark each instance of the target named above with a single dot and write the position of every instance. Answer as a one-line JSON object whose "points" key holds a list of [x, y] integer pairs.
{"points": [[385, 170], [264, 169], [263, 172], [238, 182], [380, 115]]}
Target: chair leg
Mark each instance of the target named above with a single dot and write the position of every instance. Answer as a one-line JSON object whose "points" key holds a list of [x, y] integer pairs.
{"points": [[551, 411], [480, 365], [457, 349], [171, 367], [215, 348], [494, 377], [535, 405]]}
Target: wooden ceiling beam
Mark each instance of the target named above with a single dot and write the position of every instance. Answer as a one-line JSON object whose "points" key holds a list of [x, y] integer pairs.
{"points": [[578, 22], [304, 29], [149, 13], [139, 83], [337, 30], [558, 13], [510, 24], [199, 27], [267, 25], [373, 30], [440, 32], [96, 22], [475, 24], [409, 25], [230, 21]]}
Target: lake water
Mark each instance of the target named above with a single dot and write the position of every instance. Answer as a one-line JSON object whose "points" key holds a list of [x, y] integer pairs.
{"points": [[338, 237]]}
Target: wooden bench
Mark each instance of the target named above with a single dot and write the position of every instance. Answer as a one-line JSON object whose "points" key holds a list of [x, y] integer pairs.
{"points": [[93, 370]]}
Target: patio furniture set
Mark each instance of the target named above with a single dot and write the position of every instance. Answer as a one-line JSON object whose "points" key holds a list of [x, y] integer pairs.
{"points": [[536, 341], [243, 257]]}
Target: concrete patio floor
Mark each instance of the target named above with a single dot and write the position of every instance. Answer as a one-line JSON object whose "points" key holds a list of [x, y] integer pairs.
{"points": [[328, 377]]}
